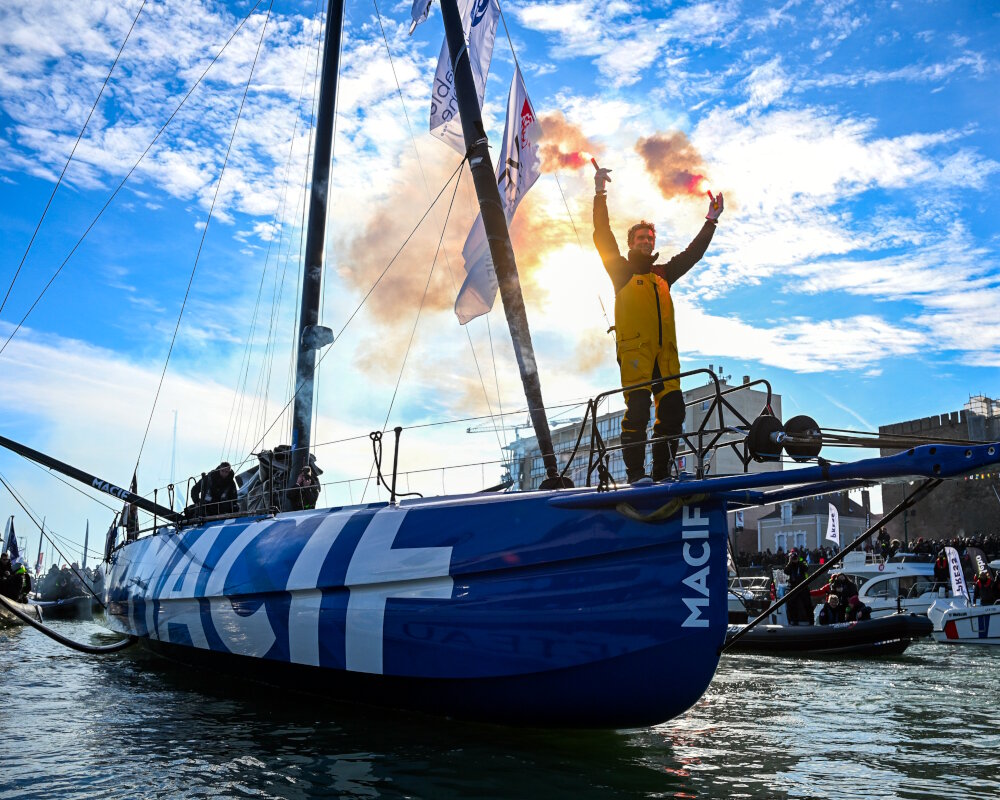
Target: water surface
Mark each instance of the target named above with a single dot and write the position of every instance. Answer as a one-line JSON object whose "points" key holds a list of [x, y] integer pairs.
{"points": [[922, 725]]}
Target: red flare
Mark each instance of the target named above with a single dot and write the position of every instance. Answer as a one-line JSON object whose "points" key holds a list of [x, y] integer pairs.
{"points": [[696, 184]]}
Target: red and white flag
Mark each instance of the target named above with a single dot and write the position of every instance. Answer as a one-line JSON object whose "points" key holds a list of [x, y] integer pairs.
{"points": [[517, 171]]}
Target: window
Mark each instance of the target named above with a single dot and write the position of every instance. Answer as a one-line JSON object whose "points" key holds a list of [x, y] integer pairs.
{"points": [[885, 588], [781, 541], [786, 513]]}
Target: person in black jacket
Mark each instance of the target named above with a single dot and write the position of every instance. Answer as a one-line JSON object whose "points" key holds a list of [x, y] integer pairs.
{"points": [[831, 611], [857, 611], [306, 491], [844, 588], [941, 574], [986, 589], [800, 606], [215, 493]]}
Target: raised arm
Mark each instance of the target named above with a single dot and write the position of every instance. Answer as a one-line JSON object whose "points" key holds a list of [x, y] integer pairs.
{"points": [[677, 266], [605, 240]]}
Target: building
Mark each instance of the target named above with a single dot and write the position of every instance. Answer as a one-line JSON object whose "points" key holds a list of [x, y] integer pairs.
{"points": [[803, 523], [962, 507], [527, 469]]}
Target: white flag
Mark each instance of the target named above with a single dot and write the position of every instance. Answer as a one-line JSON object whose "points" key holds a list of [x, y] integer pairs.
{"points": [[419, 12], [479, 20], [957, 576], [833, 525], [517, 171]]}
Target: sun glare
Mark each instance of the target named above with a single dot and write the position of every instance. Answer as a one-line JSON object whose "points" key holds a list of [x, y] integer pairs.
{"points": [[567, 286]]}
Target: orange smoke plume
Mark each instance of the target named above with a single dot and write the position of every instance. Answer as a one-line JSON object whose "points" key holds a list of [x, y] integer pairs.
{"points": [[675, 163], [563, 145]]}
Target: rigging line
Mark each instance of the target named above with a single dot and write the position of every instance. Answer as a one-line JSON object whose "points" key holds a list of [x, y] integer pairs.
{"points": [[204, 233], [507, 31], [128, 175], [61, 479], [416, 322], [76, 570], [277, 223], [496, 379], [579, 243], [33, 516], [367, 295], [423, 177], [69, 160]]}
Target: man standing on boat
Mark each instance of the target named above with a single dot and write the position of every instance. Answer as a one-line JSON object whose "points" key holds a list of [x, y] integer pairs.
{"points": [[645, 330]]}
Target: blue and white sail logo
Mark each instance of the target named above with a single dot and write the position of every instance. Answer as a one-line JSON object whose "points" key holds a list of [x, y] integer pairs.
{"points": [[481, 7]]}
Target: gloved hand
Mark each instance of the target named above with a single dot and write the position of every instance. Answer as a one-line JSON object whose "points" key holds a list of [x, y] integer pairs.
{"points": [[715, 207], [601, 178]]}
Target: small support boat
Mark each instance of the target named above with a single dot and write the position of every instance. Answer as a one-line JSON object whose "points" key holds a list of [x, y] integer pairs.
{"points": [[67, 608], [8, 619], [965, 624], [874, 637]]}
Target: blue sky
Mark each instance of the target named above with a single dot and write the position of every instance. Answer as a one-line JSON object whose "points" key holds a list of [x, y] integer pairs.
{"points": [[855, 267]]}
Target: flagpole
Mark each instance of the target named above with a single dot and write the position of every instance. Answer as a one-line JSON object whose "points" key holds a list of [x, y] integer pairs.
{"points": [[495, 222]]}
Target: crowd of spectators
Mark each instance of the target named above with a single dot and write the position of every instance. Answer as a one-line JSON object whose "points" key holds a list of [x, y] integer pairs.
{"points": [[988, 543]]}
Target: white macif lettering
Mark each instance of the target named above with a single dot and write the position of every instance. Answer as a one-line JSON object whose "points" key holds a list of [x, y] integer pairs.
{"points": [[695, 526], [695, 619], [698, 581], [177, 597], [692, 517], [250, 635], [697, 562], [307, 597], [377, 572]]}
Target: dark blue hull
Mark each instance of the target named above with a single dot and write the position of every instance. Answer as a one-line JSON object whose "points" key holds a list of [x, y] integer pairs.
{"points": [[503, 608]]}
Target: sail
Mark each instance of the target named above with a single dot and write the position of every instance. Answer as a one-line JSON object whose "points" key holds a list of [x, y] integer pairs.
{"points": [[479, 20], [517, 170]]}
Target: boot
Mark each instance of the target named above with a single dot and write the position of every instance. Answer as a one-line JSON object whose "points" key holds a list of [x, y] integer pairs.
{"points": [[663, 459], [634, 455]]}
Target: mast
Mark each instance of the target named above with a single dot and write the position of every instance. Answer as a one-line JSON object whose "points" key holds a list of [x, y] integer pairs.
{"points": [[495, 223], [312, 336]]}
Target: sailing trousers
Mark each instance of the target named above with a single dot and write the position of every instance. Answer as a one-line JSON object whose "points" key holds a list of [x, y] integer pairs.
{"points": [[669, 422]]}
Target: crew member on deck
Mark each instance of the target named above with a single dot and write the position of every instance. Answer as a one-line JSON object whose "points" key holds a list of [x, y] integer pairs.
{"points": [[645, 330], [215, 493], [306, 491]]}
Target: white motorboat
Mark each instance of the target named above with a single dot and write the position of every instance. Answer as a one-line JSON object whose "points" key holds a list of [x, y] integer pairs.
{"points": [[957, 622], [904, 582]]}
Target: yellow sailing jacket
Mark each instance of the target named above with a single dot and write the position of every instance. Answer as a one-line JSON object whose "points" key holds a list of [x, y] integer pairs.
{"points": [[644, 311]]}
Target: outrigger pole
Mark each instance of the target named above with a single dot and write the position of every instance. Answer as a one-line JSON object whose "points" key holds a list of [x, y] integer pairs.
{"points": [[91, 480], [495, 223], [313, 336]]}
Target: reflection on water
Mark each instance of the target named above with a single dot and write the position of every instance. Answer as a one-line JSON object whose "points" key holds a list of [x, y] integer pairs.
{"points": [[923, 725]]}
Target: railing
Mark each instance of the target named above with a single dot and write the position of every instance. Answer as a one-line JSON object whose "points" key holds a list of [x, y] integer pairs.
{"points": [[700, 442]]}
